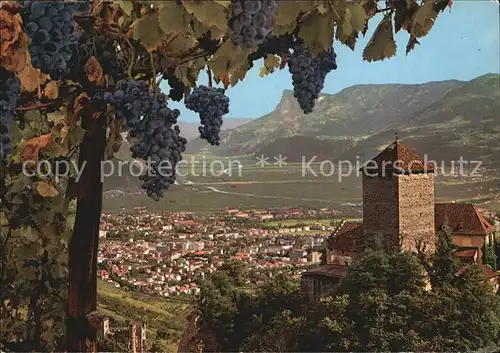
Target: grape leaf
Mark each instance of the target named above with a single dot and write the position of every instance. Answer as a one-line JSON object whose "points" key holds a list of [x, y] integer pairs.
{"points": [[317, 32], [93, 70], [403, 15], [55, 150], [147, 30], [75, 136], [357, 15], [225, 3], [210, 13], [187, 75], [270, 63], [441, 5], [411, 44], [228, 58], [45, 189], [424, 19], [224, 78], [29, 151], [239, 74], [349, 40], [322, 9], [51, 90], [56, 117], [181, 43], [173, 17], [288, 11], [351, 18], [127, 6], [382, 45]]}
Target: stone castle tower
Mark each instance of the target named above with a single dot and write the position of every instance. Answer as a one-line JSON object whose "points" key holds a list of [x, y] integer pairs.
{"points": [[398, 199]]}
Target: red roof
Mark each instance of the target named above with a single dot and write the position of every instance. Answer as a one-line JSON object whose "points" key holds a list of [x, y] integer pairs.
{"points": [[349, 237], [466, 252], [398, 157], [461, 218], [487, 271]]}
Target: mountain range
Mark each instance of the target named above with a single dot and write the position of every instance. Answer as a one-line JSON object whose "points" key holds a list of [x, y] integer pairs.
{"points": [[445, 119]]}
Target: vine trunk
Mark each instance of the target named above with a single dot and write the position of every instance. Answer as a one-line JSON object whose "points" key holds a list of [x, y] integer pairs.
{"points": [[83, 247]]}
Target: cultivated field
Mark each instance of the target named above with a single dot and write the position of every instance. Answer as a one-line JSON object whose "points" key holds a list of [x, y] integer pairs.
{"points": [[207, 186]]}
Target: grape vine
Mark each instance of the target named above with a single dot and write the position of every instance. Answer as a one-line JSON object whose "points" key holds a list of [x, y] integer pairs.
{"points": [[251, 21], [9, 91], [309, 73], [78, 74], [211, 104], [50, 26]]}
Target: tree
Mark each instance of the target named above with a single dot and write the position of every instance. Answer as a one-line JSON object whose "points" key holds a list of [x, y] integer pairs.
{"points": [[445, 263], [70, 107], [489, 255], [237, 270]]}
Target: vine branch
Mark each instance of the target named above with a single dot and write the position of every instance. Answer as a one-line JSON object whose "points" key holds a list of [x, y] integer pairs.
{"points": [[209, 73], [36, 106]]}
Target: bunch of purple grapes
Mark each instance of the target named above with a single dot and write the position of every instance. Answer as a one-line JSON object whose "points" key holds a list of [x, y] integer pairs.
{"points": [[151, 122], [106, 53], [309, 73], [10, 88], [50, 26], [158, 142], [211, 104], [130, 99], [251, 21], [176, 92]]}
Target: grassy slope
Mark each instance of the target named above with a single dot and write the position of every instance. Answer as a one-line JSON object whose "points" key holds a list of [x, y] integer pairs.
{"points": [[158, 314]]}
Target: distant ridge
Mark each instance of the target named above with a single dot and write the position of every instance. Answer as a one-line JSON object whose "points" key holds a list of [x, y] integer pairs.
{"points": [[433, 116]]}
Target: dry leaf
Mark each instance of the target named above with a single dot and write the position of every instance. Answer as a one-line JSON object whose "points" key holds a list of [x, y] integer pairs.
{"points": [[13, 42], [51, 90], [239, 74], [46, 189], [93, 70], [78, 106], [64, 132], [225, 80], [30, 78], [56, 117], [30, 150], [284, 60]]}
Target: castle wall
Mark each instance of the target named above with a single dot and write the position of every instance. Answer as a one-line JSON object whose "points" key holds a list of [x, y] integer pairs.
{"points": [[416, 212], [380, 208], [337, 257], [317, 286]]}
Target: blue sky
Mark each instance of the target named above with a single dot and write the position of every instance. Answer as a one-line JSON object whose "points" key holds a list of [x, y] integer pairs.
{"points": [[463, 44]]}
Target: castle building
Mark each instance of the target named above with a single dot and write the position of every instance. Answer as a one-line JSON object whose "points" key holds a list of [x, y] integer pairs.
{"points": [[399, 207]]}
